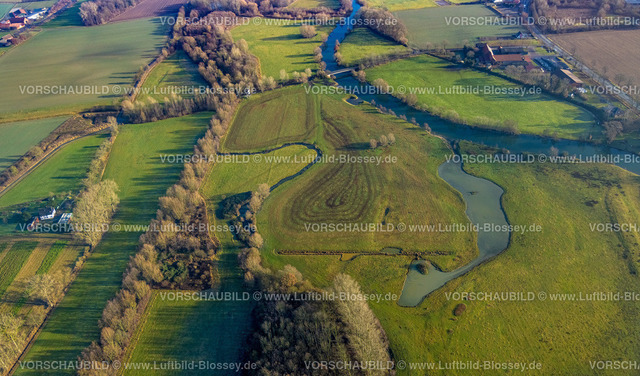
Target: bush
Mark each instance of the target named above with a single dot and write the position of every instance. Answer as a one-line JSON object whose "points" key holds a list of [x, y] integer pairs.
{"points": [[460, 309], [308, 31]]}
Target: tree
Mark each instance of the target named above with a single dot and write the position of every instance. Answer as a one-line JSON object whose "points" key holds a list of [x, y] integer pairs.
{"points": [[10, 329], [308, 31], [284, 76], [44, 287], [391, 138], [366, 336], [373, 143], [384, 141], [94, 209]]}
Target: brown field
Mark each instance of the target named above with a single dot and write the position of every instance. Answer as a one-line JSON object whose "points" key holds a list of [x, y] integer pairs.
{"points": [[151, 8], [617, 50]]}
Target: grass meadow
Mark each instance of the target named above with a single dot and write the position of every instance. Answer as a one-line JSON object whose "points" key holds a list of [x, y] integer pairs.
{"points": [[565, 257], [36, 4], [310, 4], [16, 138], [64, 60], [5, 8], [430, 27], [397, 5], [173, 75], [345, 193], [61, 172], [279, 45], [362, 42], [189, 330], [533, 113], [135, 164], [295, 118]]}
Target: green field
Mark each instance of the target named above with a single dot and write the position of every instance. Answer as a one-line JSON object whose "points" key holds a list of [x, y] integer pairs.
{"points": [[430, 27], [533, 113], [51, 257], [362, 43], [5, 8], [62, 172], [347, 193], [173, 75], [246, 175], [191, 330], [37, 4], [135, 165], [13, 261], [68, 17], [280, 45], [16, 138], [310, 4], [63, 60], [396, 5], [188, 330], [294, 119], [566, 257]]}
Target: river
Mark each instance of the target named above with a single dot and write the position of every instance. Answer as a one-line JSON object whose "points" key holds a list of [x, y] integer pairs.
{"points": [[482, 197]]}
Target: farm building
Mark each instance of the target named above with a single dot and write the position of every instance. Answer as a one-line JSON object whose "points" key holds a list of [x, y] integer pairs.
{"points": [[65, 218], [17, 12], [46, 213], [521, 35], [551, 63], [567, 74], [503, 57], [14, 23], [37, 14]]}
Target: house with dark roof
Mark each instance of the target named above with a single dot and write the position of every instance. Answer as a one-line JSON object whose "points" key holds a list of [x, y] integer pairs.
{"points": [[17, 12]]}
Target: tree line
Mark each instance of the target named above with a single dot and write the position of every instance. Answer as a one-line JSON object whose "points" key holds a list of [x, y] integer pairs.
{"points": [[384, 23], [547, 10], [98, 12], [97, 203], [271, 8]]}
